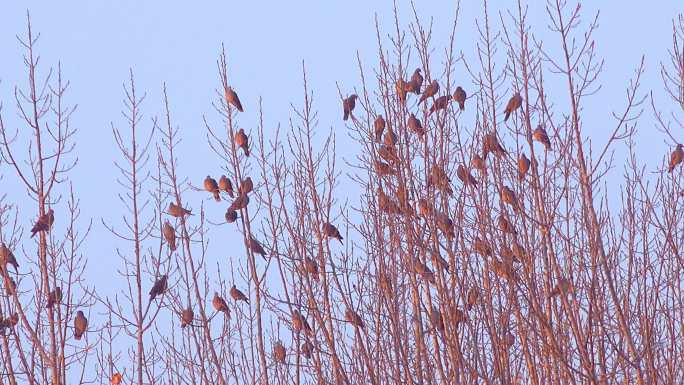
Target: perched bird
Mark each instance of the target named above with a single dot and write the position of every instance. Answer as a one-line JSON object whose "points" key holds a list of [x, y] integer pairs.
{"points": [[232, 98], [415, 125], [445, 224], [402, 196], [478, 163], [170, 235], [240, 202], [505, 225], [279, 352], [423, 271], [482, 247], [242, 141], [220, 304], [256, 247], [491, 144], [159, 287], [541, 136], [187, 316], [430, 91], [299, 322], [416, 82], [387, 204], [237, 295], [330, 231], [55, 297], [388, 153], [246, 186], [508, 196], [44, 222], [402, 89], [10, 321], [460, 97], [231, 215], [7, 257], [116, 379], [436, 319], [518, 251], [224, 184], [438, 260], [311, 267], [676, 157], [502, 269], [80, 325], [379, 126], [348, 105], [10, 285], [211, 186], [306, 349], [177, 210], [439, 178], [384, 169], [440, 103], [465, 176], [472, 297], [424, 208], [563, 287], [390, 138], [523, 166], [353, 318], [513, 104]]}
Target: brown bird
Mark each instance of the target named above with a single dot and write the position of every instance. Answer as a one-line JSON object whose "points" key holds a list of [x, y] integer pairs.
{"points": [[379, 126], [424, 208], [231, 215], [390, 138], [6, 257], [353, 318], [465, 176], [232, 98], [423, 271], [211, 186], [541, 136], [505, 225], [10, 285], [159, 287], [388, 153], [240, 202], [438, 260], [436, 319], [440, 103], [387, 204], [80, 325], [402, 196], [384, 169], [55, 297], [472, 297], [402, 89], [348, 105], [220, 304], [439, 178], [256, 247], [170, 235], [518, 251], [508, 197], [242, 141], [311, 267], [279, 352], [10, 321], [299, 322], [415, 125], [306, 349], [177, 211], [563, 287], [44, 222], [445, 224], [247, 186], [116, 379], [513, 104], [460, 97], [430, 91], [523, 166], [676, 157], [237, 295], [502, 269], [224, 184], [491, 144], [478, 163], [482, 247], [187, 316], [330, 231], [416, 82]]}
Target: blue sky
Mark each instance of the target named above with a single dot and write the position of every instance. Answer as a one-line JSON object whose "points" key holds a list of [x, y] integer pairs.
{"points": [[173, 42]]}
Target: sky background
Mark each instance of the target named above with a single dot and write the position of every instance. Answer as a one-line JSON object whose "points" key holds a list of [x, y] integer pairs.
{"points": [[98, 42]]}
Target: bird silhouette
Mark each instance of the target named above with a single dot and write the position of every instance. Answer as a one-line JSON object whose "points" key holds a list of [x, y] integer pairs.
{"points": [[159, 287], [237, 295], [170, 235], [80, 325], [430, 91], [460, 97], [232, 98], [211, 186], [348, 105], [242, 141], [513, 104], [379, 126], [44, 223], [676, 157]]}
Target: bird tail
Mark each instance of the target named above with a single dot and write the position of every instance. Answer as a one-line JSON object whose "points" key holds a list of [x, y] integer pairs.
{"points": [[346, 115], [508, 113], [246, 149], [217, 196], [461, 105], [77, 336], [172, 245]]}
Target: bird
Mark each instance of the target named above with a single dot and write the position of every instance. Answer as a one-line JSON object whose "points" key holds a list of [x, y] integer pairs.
{"points": [[384, 169], [10, 285], [348, 105], [505, 225], [436, 319], [220, 304], [379, 126], [491, 144], [231, 215], [439, 178], [159, 287], [465, 176], [240, 202], [482, 247], [388, 153], [170, 235], [177, 210], [523, 166], [55, 297], [306, 349], [211, 186], [563, 287], [424, 208], [676, 157], [256, 247], [430, 90], [460, 97], [415, 125], [445, 224], [478, 163], [237, 295], [224, 184], [311, 267], [416, 82], [330, 231], [513, 104], [472, 297], [508, 197], [402, 89], [246, 186], [390, 138], [299, 322], [7, 257], [187, 316], [541, 136], [116, 379], [242, 141], [402, 196], [440, 103], [232, 98], [438, 260], [387, 204], [353, 318], [44, 222], [279, 352], [80, 325], [424, 271]]}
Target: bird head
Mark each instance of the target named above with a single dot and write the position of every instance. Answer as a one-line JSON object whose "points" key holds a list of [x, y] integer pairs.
{"points": [[679, 146], [79, 314], [353, 96]]}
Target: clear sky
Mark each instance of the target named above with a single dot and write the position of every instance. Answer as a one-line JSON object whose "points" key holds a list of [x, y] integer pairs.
{"points": [[178, 43]]}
